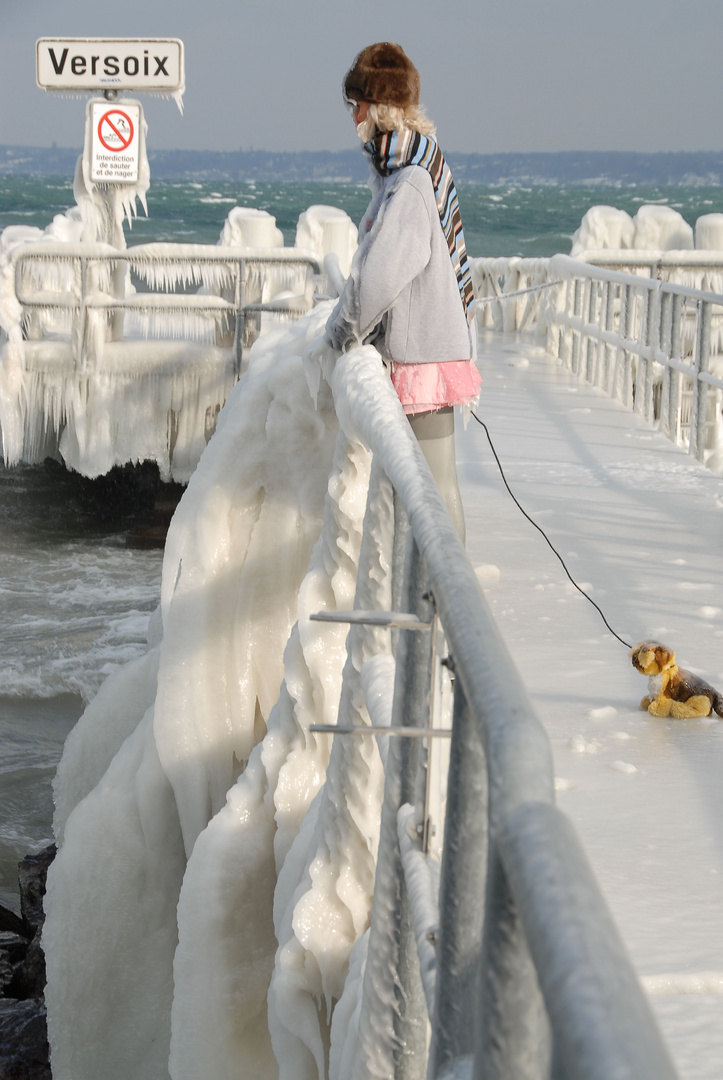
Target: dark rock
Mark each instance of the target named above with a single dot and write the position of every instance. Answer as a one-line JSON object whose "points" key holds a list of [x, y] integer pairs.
{"points": [[28, 980], [13, 950], [13, 946], [12, 922], [24, 1053], [32, 872]]}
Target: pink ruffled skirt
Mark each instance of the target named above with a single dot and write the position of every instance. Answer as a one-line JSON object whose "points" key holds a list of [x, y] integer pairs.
{"points": [[425, 387]]}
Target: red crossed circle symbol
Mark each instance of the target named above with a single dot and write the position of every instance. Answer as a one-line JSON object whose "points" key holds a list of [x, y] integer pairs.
{"points": [[115, 130]]}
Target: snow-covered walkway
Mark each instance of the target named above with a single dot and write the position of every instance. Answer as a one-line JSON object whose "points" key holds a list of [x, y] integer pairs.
{"points": [[640, 526]]}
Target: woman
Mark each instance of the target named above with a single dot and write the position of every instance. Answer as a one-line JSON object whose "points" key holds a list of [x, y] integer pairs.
{"points": [[410, 291]]}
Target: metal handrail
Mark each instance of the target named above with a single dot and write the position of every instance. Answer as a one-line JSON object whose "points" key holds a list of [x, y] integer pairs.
{"points": [[627, 335], [181, 263], [547, 952]]}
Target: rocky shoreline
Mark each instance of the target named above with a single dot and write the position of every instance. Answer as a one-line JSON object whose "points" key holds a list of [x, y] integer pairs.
{"points": [[24, 1051]]}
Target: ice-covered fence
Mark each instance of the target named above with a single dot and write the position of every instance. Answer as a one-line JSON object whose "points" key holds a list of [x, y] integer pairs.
{"points": [[654, 345], [79, 377], [695, 269], [493, 278], [647, 327], [229, 285], [516, 960]]}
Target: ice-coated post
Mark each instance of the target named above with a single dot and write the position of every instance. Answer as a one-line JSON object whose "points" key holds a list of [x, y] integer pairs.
{"points": [[623, 374], [411, 709], [604, 371], [462, 890], [576, 335], [394, 1040], [699, 406], [513, 1037], [650, 334], [592, 346], [675, 377]]}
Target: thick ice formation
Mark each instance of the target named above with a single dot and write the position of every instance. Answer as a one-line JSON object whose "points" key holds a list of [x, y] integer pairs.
{"points": [[203, 800], [709, 232], [603, 227], [79, 378], [247, 226], [661, 228], [328, 230], [654, 228]]}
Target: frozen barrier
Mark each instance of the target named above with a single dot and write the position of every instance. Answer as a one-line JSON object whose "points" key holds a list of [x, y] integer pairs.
{"points": [[654, 345], [534, 977], [645, 326], [247, 882], [493, 278], [117, 355]]}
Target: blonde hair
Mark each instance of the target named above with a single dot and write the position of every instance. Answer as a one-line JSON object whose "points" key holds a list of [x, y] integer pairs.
{"points": [[394, 118]]}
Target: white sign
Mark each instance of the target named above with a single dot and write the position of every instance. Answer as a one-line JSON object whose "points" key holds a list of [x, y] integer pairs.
{"points": [[115, 142], [154, 64]]}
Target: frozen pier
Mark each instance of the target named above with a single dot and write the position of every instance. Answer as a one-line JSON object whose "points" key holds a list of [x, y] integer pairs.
{"points": [[255, 903], [640, 527]]}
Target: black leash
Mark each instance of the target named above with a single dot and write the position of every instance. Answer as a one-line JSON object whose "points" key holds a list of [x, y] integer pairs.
{"points": [[542, 531]]}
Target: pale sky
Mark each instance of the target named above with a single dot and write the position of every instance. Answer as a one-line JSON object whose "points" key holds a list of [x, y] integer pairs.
{"points": [[519, 75]]}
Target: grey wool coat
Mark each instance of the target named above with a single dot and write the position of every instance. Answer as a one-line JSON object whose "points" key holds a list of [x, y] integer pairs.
{"points": [[402, 294]]}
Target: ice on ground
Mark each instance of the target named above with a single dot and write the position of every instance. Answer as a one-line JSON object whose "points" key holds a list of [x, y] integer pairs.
{"points": [[654, 837], [605, 712], [623, 767], [487, 574]]}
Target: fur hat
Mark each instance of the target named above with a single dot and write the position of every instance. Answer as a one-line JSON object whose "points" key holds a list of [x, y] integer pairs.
{"points": [[384, 75]]}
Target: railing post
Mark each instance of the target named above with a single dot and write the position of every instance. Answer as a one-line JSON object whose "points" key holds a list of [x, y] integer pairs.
{"points": [[674, 394], [399, 1036], [513, 1037], [80, 356], [605, 365], [592, 347], [699, 405], [649, 331], [623, 373], [239, 299], [462, 893], [576, 334]]}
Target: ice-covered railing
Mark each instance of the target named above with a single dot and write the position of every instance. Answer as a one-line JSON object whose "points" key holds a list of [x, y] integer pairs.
{"points": [[493, 278], [645, 326], [197, 292], [80, 377], [654, 345], [538, 963], [223, 901]]}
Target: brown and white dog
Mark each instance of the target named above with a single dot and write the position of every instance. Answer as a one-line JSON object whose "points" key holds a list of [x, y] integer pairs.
{"points": [[672, 691]]}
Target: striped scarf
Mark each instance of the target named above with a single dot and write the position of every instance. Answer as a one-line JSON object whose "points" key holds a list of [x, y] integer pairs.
{"points": [[392, 150]]}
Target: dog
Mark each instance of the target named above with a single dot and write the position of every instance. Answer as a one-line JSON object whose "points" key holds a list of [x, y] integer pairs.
{"points": [[672, 691]]}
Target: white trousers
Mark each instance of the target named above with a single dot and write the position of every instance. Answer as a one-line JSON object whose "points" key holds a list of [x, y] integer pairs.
{"points": [[434, 432]]}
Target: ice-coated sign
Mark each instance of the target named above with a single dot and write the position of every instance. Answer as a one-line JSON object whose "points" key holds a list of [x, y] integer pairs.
{"points": [[153, 64], [115, 131]]}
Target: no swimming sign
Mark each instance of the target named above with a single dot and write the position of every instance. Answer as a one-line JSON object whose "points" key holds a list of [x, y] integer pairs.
{"points": [[115, 135]]}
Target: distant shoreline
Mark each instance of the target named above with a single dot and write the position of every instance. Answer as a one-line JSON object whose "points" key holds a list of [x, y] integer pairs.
{"points": [[589, 168]]}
